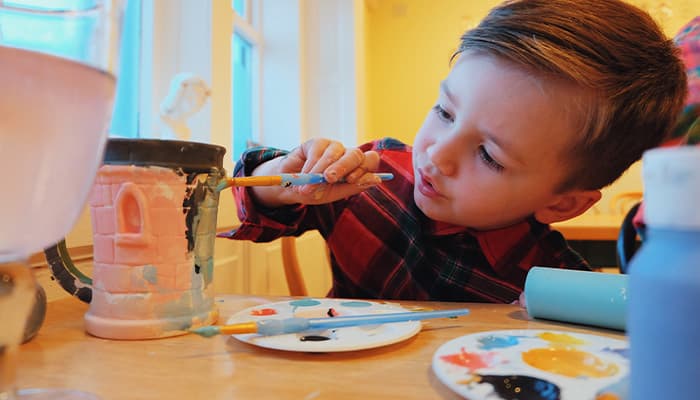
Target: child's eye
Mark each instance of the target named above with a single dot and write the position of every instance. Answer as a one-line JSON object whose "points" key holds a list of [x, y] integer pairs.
{"points": [[442, 113], [488, 160]]}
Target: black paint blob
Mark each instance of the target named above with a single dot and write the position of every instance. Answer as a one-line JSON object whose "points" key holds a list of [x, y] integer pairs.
{"points": [[314, 338], [518, 387]]}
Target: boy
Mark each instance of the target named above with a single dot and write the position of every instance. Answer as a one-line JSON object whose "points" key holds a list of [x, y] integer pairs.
{"points": [[547, 102]]}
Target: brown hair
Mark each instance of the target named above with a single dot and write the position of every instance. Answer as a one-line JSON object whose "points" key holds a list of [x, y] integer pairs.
{"points": [[612, 50]]}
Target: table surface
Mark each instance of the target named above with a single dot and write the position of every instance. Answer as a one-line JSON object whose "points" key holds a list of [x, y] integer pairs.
{"points": [[222, 367], [591, 227]]}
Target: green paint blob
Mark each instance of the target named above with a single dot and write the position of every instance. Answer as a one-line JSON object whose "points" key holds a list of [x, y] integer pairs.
{"points": [[150, 273], [355, 304], [304, 303]]}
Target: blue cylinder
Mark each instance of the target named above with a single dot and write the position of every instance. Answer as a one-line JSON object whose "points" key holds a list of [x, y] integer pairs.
{"points": [[581, 297], [663, 313]]}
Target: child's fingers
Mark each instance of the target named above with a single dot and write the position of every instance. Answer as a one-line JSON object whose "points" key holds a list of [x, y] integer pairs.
{"points": [[345, 165], [320, 153], [293, 161], [363, 174], [327, 193]]}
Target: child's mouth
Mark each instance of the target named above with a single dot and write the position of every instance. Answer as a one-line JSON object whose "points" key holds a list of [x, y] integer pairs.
{"points": [[425, 186]]}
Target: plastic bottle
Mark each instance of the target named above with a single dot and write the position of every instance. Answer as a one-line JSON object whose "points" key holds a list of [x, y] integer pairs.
{"points": [[664, 285], [581, 297]]}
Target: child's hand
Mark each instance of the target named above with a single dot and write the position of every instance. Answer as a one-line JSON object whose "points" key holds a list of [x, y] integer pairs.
{"points": [[325, 156]]}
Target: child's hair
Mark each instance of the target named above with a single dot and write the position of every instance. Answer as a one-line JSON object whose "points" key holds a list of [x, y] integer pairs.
{"points": [[633, 80]]}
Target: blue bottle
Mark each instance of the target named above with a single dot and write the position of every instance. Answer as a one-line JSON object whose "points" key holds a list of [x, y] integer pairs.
{"points": [[663, 321]]}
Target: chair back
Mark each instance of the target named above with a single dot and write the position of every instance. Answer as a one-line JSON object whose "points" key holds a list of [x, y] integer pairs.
{"points": [[292, 270], [628, 240]]}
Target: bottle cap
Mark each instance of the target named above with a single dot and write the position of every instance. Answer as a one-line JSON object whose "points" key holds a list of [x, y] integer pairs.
{"points": [[672, 187]]}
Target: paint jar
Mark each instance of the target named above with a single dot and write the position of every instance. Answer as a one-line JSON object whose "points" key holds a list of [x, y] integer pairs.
{"points": [[664, 285], [581, 297], [154, 208]]}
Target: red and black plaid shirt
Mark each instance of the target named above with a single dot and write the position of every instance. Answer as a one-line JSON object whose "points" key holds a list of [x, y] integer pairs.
{"points": [[382, 246]]}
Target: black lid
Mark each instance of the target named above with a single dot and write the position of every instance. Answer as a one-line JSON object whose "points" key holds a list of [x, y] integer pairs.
{"points": [[189, 156]]}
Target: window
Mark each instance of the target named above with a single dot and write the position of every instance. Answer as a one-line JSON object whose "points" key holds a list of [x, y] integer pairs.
{"points": [[245, 60], [44, 33], [125, 121], [241, 54]]}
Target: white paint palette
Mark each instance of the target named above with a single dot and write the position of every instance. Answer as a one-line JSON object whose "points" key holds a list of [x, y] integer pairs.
{"points": [[336, 340], [534, 365]]}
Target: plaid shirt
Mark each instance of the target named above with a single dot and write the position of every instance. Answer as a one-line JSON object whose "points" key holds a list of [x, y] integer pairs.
{"points": [[383, 246], [687, 129]]}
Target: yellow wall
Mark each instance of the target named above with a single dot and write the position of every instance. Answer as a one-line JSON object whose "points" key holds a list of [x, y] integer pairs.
{"points": [[408, 47], [408, 44]]}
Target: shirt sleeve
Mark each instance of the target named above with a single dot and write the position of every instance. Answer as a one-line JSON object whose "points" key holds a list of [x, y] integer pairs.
{"points": [[261, 224], [258, 223]]}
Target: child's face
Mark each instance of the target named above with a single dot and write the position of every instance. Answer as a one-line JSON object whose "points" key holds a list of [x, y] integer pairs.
{"points": [[490, 152]]}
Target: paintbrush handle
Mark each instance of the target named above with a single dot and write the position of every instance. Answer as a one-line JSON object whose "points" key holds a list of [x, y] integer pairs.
{"points": [[310, 179], [286, 180], [294, 325]]}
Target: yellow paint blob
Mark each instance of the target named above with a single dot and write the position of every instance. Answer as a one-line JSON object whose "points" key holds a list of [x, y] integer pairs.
{"points": [[560, 338], [569, 362]]}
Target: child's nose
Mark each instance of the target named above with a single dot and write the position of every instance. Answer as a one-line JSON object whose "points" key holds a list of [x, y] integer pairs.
{"points": [[443, 155]]}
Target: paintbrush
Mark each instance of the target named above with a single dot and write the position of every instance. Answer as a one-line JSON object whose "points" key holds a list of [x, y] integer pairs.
{"points": [[285, 180], [269, 327]]}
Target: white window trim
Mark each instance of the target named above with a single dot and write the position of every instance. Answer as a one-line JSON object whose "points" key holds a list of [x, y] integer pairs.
{"points": [[309, 77], [176, 37]]}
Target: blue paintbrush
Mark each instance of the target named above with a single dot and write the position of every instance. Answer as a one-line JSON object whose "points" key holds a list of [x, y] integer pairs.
{"points": [[285, 180], [268, 327]]}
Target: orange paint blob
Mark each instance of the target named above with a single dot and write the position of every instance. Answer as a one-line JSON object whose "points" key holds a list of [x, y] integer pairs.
{"points": [[607, 396], [560, 338], [569, 362]]}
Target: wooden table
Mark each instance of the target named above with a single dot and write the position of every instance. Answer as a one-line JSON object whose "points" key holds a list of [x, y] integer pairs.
{"points": [[591, 227], [192, 367]]}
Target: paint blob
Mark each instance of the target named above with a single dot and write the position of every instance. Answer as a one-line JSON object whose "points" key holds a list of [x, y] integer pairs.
{"points": [[314, 338], [355, 304], [517, 387], [622, 352], [569, 362], [304, 303], [560, 338], [471, 361], [496, 342], [263, 311]]}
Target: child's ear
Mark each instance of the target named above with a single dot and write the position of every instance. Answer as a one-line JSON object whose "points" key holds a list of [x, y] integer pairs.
{"points": [[568, 205]]}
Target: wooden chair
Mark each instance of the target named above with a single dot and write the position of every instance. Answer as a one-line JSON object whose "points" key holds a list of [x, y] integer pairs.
{"points": [[292, 266], [292, 270], [628, 240]]}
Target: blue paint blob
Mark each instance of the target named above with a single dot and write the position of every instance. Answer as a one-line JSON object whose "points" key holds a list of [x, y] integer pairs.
{"points": [[623, 352], [304, 303], [355, 304], [497, 342]]}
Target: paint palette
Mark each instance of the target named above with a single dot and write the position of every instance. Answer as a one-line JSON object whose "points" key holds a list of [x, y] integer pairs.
{"points": [[341, 339], [534, 365]]}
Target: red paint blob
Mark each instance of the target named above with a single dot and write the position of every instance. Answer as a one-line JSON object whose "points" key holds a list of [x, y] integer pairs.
{"points": [[264, 311], [472, 361]]}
